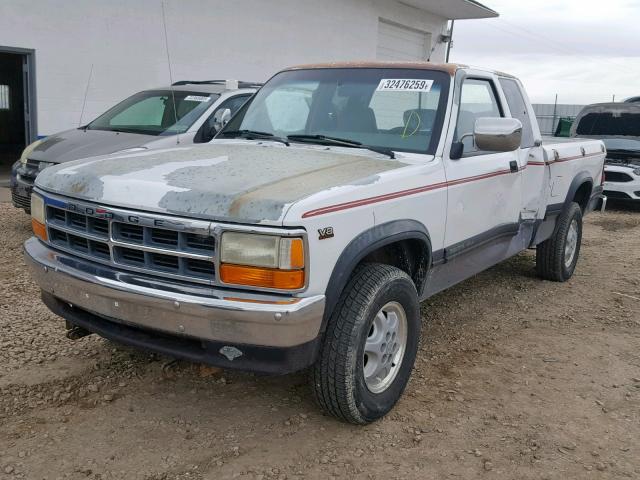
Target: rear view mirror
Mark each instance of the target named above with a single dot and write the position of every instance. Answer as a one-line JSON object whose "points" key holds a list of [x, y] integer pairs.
{"points": [[497, 134]]}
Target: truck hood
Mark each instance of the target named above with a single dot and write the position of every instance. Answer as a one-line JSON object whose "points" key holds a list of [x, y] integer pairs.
{"points": [[78, 143], [252, 183]]}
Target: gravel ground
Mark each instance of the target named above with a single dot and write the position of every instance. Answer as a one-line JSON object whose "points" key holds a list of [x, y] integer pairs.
{"points": [[515, 379]]}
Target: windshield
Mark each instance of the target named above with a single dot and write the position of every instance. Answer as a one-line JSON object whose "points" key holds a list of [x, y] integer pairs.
{"points": [[627, 144], [610, 124], [151, 112], [394, 109]]}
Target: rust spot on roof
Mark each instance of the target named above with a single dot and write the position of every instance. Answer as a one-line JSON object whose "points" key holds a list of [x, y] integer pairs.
{"points": [[503, 74], [449, 68]]}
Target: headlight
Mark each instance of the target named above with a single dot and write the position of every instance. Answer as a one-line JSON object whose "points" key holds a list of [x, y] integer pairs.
{"points": [[27, 151], [43, 165], [37, 217], [267, 261], [637, 172]]}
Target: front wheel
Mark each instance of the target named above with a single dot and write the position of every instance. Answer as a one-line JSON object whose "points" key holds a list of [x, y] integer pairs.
{"points": [[370, 345], [557, 257]]}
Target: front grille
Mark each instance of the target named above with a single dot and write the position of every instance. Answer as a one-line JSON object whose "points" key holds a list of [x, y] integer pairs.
{"points": [[77, 222], [76, 243], [619, 195], [148, 249], [128, 233], [617, 177], [20, 201], [199, 242]]}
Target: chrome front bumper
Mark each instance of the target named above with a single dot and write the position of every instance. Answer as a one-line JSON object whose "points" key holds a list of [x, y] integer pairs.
{"points": [[181, 310]]}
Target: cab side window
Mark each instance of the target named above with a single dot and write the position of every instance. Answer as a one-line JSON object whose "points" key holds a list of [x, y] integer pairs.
{"points": [[477, 99], [207, 130], [518, 108]]}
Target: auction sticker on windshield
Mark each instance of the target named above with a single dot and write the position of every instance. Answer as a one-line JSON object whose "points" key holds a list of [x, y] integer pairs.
{"points": [[404, 85], [197, 98]]}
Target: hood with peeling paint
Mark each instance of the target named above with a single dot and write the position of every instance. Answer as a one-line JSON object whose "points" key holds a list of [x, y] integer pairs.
{"points": [[242, 182]]}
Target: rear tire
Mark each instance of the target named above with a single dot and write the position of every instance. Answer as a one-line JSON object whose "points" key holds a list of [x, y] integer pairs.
{"points": [[369, 347], [557, 257]]}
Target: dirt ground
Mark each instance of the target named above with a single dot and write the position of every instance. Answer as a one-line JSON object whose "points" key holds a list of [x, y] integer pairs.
{"points": [[516, 378]]}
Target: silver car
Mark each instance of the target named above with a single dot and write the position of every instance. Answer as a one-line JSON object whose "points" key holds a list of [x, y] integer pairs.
{"points": [[188, 112]]}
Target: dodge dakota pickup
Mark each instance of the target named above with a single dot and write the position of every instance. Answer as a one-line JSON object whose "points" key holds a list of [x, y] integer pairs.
{"points": [[308, 231]]}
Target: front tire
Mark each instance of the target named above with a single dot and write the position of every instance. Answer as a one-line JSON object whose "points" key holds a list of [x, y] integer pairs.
{"points": [[557, 257], [369, 347]]}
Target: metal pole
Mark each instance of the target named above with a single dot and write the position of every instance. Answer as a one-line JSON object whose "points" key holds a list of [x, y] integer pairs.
{"points": [[553, 122], [450, 41]]}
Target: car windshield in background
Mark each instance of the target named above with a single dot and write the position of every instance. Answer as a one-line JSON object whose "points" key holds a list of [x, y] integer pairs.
{"points": [[152, 112], [610, 123], [618, 145], [385, 109]]}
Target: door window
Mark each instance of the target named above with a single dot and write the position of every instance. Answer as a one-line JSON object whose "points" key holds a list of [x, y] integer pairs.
{"points": [[477, 99], [207, 131], [518, 108]]}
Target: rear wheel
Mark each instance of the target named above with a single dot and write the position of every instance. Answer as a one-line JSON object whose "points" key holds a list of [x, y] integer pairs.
{"points": [[370, 345], [557, 257]]}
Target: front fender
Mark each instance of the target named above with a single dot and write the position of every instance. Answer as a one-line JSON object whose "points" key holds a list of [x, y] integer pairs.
{"points": [[365, 243]]}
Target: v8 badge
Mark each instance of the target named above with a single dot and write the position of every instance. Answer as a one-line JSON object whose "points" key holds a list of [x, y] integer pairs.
{"points": [[324, 233]]}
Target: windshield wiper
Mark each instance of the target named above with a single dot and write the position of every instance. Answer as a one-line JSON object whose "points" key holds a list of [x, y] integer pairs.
{"points": [[325, 140], [343, 142], [253, 135]]}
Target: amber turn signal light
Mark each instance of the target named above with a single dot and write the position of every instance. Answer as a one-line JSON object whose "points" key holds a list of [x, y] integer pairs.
{"points": [[39, 230], [262, 277], [296, 253]]}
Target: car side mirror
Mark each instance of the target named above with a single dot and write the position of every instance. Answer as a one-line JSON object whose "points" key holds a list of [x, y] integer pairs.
{"points": [[494, 134], [457, 149], [221, 118]]}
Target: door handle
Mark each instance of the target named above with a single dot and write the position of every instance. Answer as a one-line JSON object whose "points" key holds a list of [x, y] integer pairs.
{"points": [[513, 165]]}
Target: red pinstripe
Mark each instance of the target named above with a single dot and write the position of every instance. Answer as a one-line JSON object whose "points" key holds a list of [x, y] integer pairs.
{"points": [[402, 193], [412, 191]]}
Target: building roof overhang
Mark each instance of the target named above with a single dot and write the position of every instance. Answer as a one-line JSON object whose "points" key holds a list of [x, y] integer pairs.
{"points": [[453, 9]]}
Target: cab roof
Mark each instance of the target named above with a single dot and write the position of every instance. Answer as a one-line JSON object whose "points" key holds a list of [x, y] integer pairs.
{"points": [[450, 68], [209, 86]]}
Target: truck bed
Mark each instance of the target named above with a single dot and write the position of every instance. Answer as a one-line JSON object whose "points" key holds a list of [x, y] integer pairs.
{"points": [[570, 160]]}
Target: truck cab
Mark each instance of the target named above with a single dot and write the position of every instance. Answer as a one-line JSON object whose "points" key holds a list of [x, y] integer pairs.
{"points": [[307, 233]]}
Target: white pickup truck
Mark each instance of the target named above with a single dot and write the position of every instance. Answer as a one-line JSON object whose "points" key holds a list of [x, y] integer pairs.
{"points": [[306, 235]]}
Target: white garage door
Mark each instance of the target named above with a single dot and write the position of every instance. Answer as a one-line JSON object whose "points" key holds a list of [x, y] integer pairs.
{"points": [[396, 42]]}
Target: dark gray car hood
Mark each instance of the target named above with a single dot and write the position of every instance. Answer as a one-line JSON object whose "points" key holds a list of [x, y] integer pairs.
{"points": [[78, 143], [252, 183]]}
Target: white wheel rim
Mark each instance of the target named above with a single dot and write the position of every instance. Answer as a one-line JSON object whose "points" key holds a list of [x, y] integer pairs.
{"points": [[571, 244], [384, 347]]}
